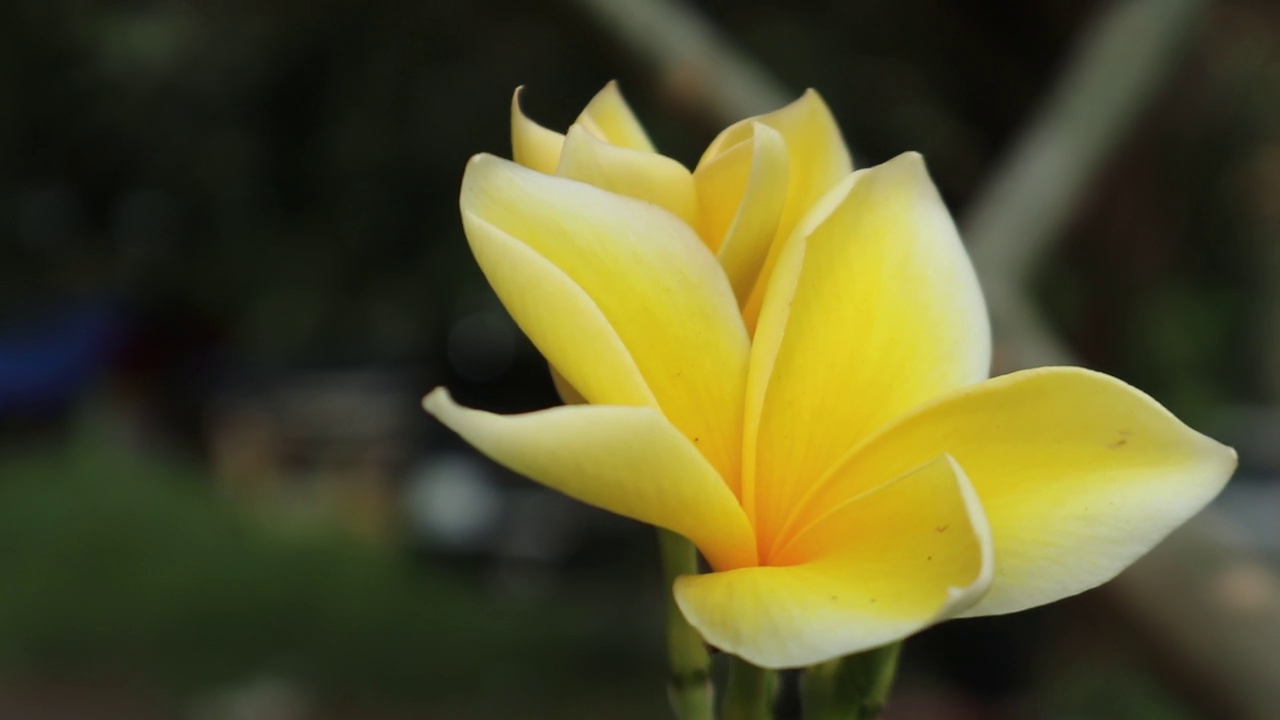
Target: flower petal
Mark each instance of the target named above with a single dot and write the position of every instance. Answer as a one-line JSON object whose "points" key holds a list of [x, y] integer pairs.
{"points": [[1079, 473], [651, 279], [721, 183], [626, 460], [882, 312], [741, 193], [559, 317], [769, 333], [609, 118], [817, 157], [532, 145], [645, 176], [900, 558]]}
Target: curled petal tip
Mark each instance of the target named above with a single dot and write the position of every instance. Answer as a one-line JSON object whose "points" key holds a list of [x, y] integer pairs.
{"points": [[961, 598], [909, 159], [435, 401], [477, 159], [1229, 462], [516, 96]]}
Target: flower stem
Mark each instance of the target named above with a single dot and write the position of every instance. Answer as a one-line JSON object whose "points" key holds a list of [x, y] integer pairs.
{"points": [[850, 688], [749, 695], [690, 690]]}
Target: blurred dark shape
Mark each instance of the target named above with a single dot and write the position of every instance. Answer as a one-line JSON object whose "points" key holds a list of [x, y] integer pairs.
{"points": [[481, 345], [52, 356], [51, 219], [145, 227], [327, 444]]}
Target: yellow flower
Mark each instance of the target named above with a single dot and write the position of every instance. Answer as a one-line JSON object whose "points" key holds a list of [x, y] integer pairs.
{"points": [[750, 189], [847, 470]]}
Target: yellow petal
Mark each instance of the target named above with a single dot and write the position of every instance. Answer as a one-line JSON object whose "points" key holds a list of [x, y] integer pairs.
{"points": [[818, 159], [884, 312], [559, 317], [649, 277], [879, 568], [642, 175], [609, 118], [769, 333], [626, 460], [1079, 473], [721, 183], [741, 193], [532, 145]]}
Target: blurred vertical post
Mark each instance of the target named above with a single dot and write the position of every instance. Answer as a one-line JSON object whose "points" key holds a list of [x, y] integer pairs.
{"points": [[1119, 65]]}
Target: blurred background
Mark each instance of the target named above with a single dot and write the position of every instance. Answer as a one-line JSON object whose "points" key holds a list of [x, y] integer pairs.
{"points": [[231, 264]]}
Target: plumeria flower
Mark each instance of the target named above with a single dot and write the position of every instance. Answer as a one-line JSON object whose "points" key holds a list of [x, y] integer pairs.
{"points": [[751, 187], [786, 362]]}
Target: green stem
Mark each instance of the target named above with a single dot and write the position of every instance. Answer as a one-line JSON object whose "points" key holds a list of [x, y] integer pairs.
{"points": [[690, 690], [749, 695], [851, 688]]}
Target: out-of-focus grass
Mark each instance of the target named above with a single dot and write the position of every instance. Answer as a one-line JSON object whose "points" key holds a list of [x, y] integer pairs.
{"points": [[120, 566], [1111, 691]]}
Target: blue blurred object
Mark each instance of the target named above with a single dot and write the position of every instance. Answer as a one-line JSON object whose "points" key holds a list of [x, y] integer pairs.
{"points": [[51, 356]]}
